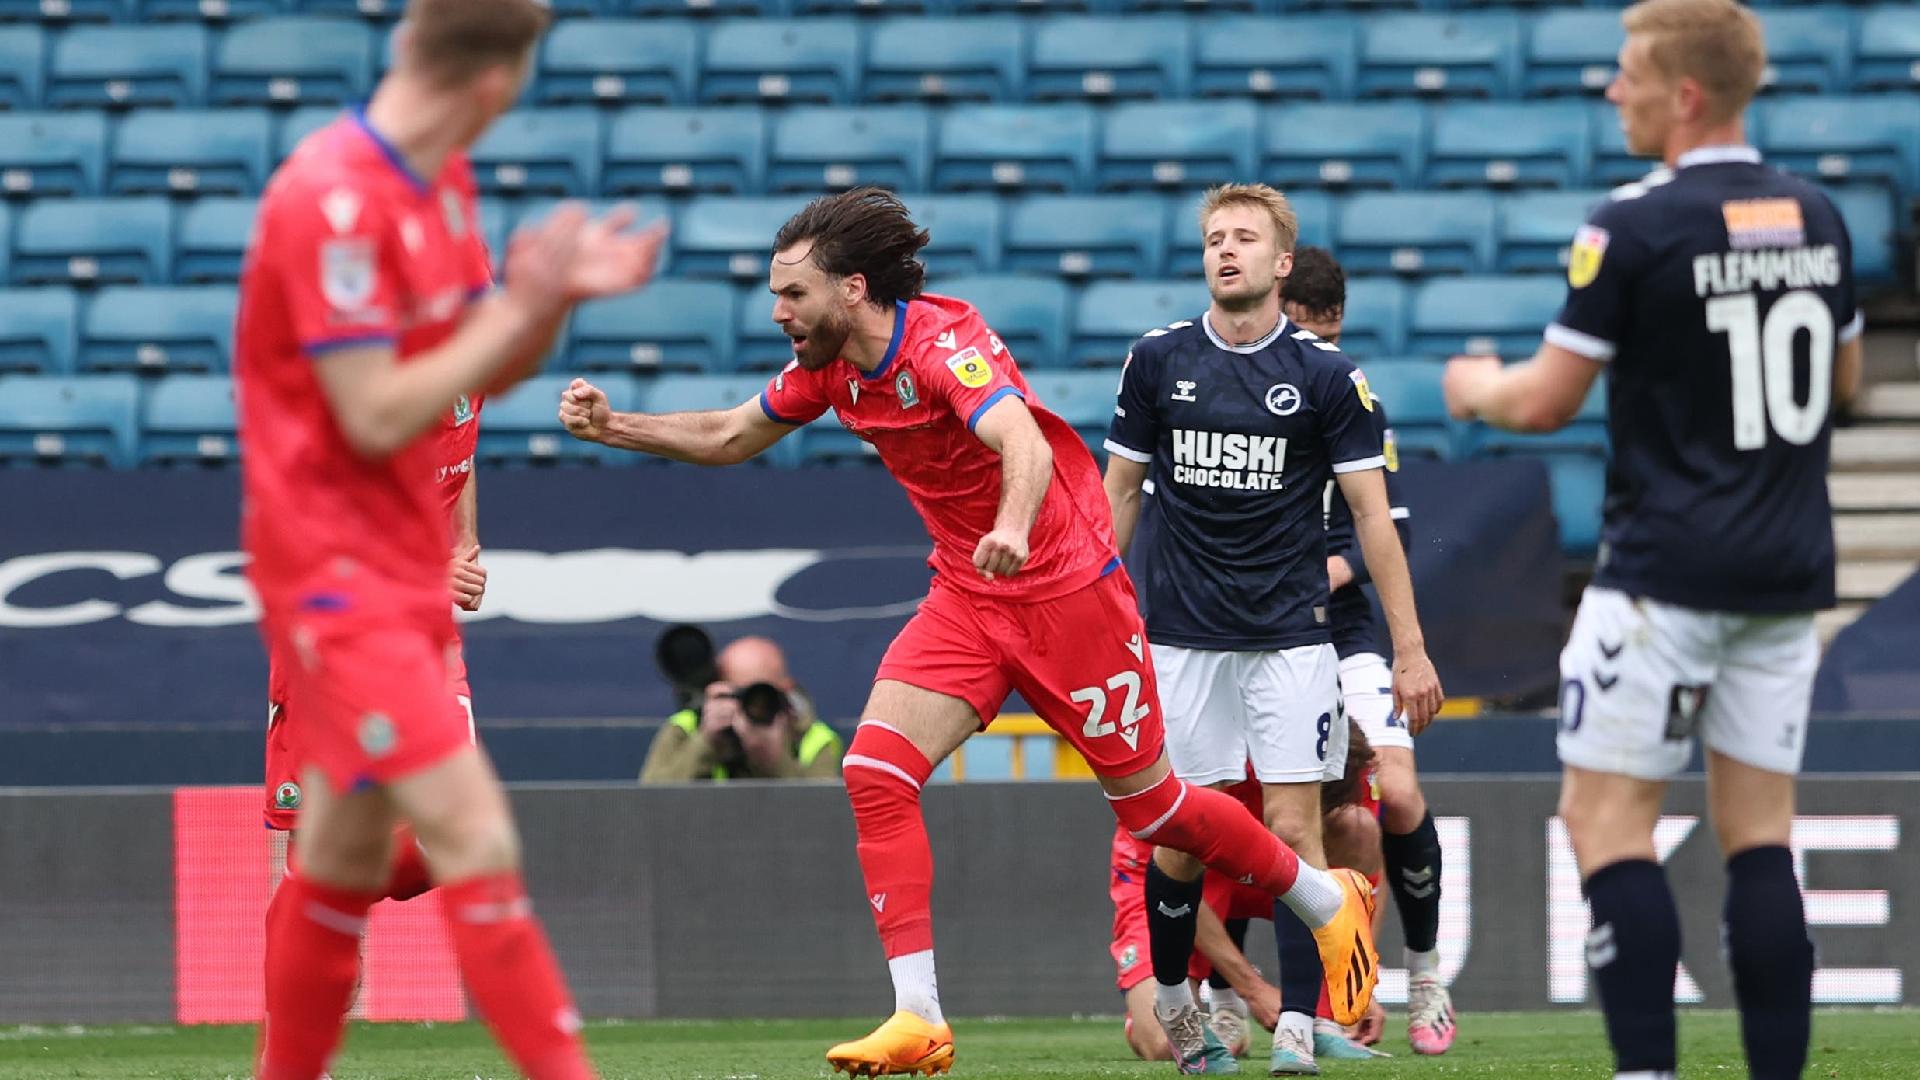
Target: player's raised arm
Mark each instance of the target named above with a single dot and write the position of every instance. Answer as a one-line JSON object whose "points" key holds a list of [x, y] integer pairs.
{"points": [[1026, 468], [712, 437]]}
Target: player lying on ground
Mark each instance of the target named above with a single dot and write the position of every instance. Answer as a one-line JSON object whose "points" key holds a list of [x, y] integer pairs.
{"points": [[1028, 592]]}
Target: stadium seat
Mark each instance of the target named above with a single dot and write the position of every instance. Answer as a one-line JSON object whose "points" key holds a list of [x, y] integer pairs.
{"points": [[827, 442], [1536, 228], [1579, 488], [1103, 58], [1869, 215], [189, 420], [1475, 55], [92, 241], [380, 11], [125, 66], [654, 8], [1084, 399], [300, 123], [1265, 57], [1845, 139], [213, 238], [190, 151], [945, 60], [867, 7], [836, 148], [1313, 209], [1375, 322], [668, 326], [1210, 8], [1027, 7], [1079, 236], [540, 152], [1410, 390], [79, 421], [1419, 232], [1888, 54], [701, 150], [759, 343], [1111, 315], [1610, 163], [1176, 144], [38, 329], [1504, 316], [520, 427], [56, 12], [1014, 148], [1808, 51], [1504, 144], [212, 11], [1028, 313], [729, 238], [1572, 52], [688, 393], [617, 61], [297, 60], [496, 222], [963, 230], [170, 328], [1343, 145], [814, 61], [52, 153], [23, 66]]}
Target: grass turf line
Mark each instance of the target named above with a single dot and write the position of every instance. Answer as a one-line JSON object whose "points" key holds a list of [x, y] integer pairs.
{"points": [[1847, 1045]]}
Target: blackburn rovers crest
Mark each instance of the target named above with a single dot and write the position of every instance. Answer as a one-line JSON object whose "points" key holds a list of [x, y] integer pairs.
{"points": [[287, 796], [909, 394], [462, 410]]}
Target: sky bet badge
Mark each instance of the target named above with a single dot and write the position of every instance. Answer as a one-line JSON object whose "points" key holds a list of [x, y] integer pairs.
{"points": [[970, 368], [1583, 263]]}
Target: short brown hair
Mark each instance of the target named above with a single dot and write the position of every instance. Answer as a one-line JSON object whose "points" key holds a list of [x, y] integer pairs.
{"points": [[866, 231], [1717, 43], [454, 40], [1346, 790], [1286, 226], [1317, 284]]}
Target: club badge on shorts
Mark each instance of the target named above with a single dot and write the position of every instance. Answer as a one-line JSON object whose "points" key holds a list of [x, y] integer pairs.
{"points": [[376, 734], [1583, 262], [970, 368]]}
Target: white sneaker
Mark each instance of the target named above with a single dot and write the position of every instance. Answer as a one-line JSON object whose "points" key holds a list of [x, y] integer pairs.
{"points": [[1292, 1052], [1229, 1025], [1430, 1026]]}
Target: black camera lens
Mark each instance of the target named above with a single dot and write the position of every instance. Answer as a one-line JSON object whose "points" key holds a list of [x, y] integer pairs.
{"points": [[762, 703]]}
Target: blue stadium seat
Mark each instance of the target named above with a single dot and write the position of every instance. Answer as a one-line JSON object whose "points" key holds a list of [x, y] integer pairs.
{"points": [[655, 8], [692, 393], [841, 147], [190, 151], [1084, 399], [300, 123], [57, 12], [213, 238], [212, 11], [92, 241], [1079, 236], [1610, 164], [79, 421], [1105, 58], [1014, 148], [1314, 210], [1343, 145], [945, 60], [189, 420], [612, 61], [963, 230], [1536, 228], [815, 61], [1375, 322], [759, 343], [701, 150], [1266, 57], [297, 60], [1845, 139], [496, 223], [1875, 234], [729, 238], [868, 7], [1410, 389], [1029, 314], [1028, 7], [1418, 232], [1176, 144], [1504, 316], [540, 152], [124, 66], [170, 328], [1475, 55], [1579, 488], [380, 11], [668, 326], [61, 153], [1888, 54], [521, 426], [38, 329], [1808, 51], [1508, 144], [1111, 315], [827, 442], [23, 66], [1572, 52]]}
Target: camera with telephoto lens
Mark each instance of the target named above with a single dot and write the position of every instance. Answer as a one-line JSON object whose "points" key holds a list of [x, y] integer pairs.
{"points": [[684, 654], [761, 703]]}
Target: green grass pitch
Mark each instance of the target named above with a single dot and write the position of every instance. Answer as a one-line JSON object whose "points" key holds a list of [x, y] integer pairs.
{"points": [[1846, 1045]]}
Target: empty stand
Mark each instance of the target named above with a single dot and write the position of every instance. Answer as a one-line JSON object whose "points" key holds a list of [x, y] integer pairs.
{"points": [[730, 238], [52, 153], [945, 60], [674, 151], [540, 152], [1014, 148], [38, 330], [1343, 145], [836, 148], [189, 420], [1507, 144], [168, 328], [1572, 52], [1498, 315], [1106, 58], [669, 326], [212, 240], [1469, 55], [293, 61], [1176, 145], [626, 61], [1081, 236], [1265, 57], [522, 426], [86, 420], [23, 66], [92, 241], [1536, 228], [190, 151], [781, 60], [124, 66], [1416, 232], [1111, 315], [1029, 313], [964, 231]]}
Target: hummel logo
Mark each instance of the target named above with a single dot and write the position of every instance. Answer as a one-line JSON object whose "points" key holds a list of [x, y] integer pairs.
{"points": [[1606, 682], [1138, 650], [1417, 877], [947, 341], [1611, 653], [878, 900], [1180, 912], [1184, 390], [1601, 949]]}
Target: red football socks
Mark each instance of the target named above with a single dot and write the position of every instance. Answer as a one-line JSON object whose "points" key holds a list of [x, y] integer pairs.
{"points": [[313, 960], [1213, 827], [510, 973], [884, 773]]}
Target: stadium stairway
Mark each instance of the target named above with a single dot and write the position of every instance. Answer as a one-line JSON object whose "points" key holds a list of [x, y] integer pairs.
{"points": [[1875, 485]]}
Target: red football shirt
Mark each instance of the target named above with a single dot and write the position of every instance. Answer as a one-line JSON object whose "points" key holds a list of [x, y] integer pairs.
{"points": [[455, 438], [942, 372], [349, 248]]}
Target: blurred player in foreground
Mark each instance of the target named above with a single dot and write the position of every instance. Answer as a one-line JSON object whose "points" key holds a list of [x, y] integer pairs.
{"points": [[1028, 592], [1719, 292], [1314, 296], [364, 319]]}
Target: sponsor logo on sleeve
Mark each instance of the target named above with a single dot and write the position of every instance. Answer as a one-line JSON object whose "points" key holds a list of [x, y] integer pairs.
{"points": [[970, 368], [347, 273], [1390, 446], [1360, 384], [1583, 263]]}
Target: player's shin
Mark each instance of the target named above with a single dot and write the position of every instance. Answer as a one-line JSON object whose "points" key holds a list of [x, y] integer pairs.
{"points": [[313, 961], [511, 974], [884, 773], [1634, 951], [1772, 961], [1173, 921], [1413, 870]]}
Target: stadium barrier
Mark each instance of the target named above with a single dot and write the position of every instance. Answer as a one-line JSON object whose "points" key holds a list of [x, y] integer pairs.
{"points": [[745, 900]]}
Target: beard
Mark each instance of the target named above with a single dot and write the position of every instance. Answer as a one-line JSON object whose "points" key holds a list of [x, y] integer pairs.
{"points": [[1241, 294], [824, 342]]}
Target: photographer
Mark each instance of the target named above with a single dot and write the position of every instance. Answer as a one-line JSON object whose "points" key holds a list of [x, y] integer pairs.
{"points": [[748, 722]]}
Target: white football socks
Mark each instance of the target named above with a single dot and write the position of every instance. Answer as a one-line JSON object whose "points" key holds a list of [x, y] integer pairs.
{"points": [[1315, 897], [1168, 1000], [1423, 963], [915, 989]]}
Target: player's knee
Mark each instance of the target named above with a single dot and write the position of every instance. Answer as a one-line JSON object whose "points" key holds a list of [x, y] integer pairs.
{"points": [[1401, 801], [349, 857], [1352, 839], [1299, 826], [882, 766]]}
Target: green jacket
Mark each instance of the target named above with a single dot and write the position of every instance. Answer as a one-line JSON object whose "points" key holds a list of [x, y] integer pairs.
{"points": [[679, 753]]}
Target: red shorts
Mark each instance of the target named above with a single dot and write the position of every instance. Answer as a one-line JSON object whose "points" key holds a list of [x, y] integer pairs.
{"points": [[1080, 660]]}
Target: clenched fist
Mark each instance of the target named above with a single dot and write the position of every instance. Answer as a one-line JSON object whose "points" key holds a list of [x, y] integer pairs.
{"points": [[1001, 553], [584, 411]]}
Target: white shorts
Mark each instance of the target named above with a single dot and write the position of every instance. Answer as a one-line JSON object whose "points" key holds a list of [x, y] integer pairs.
{"points": [[1281, 711], [1639, 679], [1366, 684]]}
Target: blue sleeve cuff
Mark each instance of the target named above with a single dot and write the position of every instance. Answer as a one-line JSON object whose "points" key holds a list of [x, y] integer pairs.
{"points": [[992, 400], [317, 349], [766, 406]]}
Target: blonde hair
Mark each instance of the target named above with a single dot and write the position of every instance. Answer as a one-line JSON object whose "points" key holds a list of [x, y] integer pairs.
{"points": [[1717, 43], [1286, 225]]}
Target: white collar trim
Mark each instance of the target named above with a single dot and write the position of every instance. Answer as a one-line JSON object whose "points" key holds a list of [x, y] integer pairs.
{"points": [[1717, 155], [1272, 336]]}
